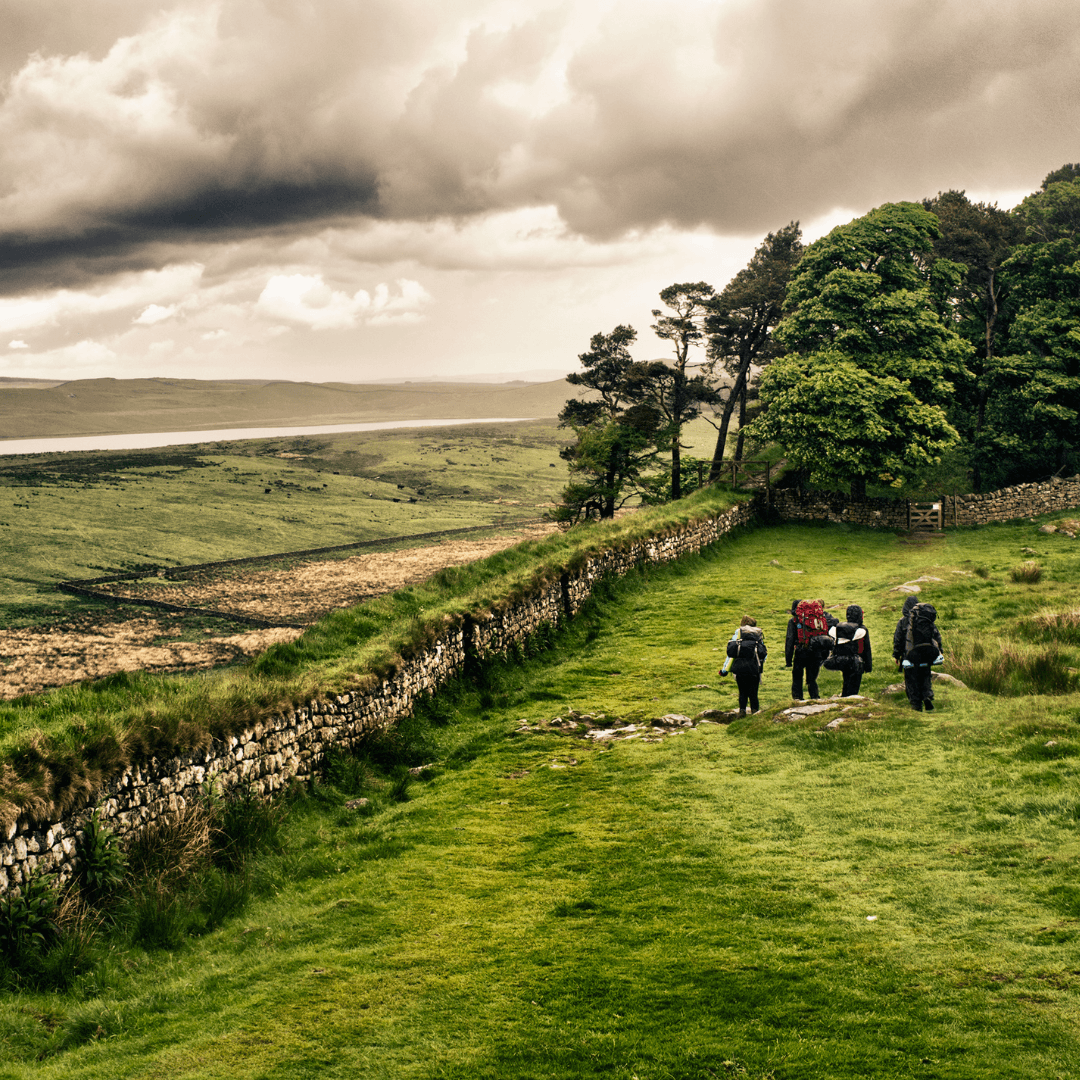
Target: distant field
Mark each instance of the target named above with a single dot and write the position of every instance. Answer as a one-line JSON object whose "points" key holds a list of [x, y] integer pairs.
{"points": [[111, 406], [85, 515]]}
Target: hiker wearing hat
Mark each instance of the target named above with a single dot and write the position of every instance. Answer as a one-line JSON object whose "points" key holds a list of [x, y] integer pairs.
{"points": [[851, 653], [916, 648]]}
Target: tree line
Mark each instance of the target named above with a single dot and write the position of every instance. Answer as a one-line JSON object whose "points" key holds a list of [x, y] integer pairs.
{"points": [[918, 342]]}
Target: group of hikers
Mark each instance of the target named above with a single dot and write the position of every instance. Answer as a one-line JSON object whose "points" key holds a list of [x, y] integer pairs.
{"points": [[817, 639]]}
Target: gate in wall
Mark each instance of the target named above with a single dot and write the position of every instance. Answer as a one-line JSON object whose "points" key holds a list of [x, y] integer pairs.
{"points": [[925, 517]]}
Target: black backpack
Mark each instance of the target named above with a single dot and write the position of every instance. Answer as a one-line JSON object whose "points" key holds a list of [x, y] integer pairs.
{"points": [[920, 648], [745, 649], [847, 651]]}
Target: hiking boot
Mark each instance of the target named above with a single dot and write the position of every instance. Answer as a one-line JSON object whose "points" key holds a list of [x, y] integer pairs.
{"points": [[917, 708], [929, 706]]}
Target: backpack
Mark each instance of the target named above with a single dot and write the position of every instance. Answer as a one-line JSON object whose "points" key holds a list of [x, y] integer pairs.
{"points": [[745, 648], [847, 654], [920, 648], [811, 630]]}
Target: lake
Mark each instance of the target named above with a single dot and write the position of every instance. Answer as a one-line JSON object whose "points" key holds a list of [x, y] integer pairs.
{"points": [[59, 444]]}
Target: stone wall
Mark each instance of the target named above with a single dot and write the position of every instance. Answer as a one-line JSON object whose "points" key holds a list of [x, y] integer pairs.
{"points": [[293, 745], [1007, 504]]}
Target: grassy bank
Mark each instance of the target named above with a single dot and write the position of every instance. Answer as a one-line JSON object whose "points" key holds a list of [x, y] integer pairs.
{"points": [[893, 899], [86, 732]]}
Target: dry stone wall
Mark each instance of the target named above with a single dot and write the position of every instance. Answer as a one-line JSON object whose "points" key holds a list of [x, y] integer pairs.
{"points": [[1006, 504], [293, 745]]}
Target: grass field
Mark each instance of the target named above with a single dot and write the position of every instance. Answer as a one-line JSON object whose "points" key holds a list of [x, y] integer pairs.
{"points": [[897, 898], [82, 515]]}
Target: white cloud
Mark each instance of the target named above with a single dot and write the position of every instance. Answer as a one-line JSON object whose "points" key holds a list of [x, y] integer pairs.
{"points": [[308, 300], [17, 344], [125, 291], [85, 359], [155, 313]]}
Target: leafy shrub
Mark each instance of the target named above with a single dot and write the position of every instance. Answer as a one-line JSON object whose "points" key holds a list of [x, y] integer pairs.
{"points": [[101, 865], [28, 921], [1027, 572]]}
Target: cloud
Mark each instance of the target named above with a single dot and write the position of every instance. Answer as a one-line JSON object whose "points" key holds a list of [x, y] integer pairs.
{"points": [[306, 299], [123, 292], [155, 313], [17, 344], [216, 120]]}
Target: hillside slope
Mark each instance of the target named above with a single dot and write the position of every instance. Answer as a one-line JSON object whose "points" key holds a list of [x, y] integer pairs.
{"points": [[129, 406]]}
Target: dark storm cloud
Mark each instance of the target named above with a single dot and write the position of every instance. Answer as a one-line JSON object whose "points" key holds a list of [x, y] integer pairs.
{"points": [[132, 129]]}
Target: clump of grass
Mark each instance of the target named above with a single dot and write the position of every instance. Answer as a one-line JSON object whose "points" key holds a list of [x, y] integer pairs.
{"points": [[982, 572], [1027, 573], [1009, 670], [1059, 626]]}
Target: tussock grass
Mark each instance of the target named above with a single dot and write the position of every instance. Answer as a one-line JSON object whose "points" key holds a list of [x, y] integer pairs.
{"points": [[1008, 669], [1028, 572]]}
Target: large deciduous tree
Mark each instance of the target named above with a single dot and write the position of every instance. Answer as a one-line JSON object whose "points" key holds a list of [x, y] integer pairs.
{"points": [[871, 362], [741, 320], [979, 237]]}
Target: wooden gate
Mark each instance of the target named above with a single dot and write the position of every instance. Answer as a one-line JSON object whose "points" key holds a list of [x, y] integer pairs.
{"points": [[925, 517]]}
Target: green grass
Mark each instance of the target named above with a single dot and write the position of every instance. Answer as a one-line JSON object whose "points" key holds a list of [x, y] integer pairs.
{"points": [[92, 514], [894, 899]]}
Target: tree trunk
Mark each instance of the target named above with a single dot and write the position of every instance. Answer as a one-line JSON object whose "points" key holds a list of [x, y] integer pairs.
{"points": [[676, 466], [725, 423], [742, 424], [858, 487]]}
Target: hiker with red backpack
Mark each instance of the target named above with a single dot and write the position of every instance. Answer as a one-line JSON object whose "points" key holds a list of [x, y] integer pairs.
{"points": [[851, 655], [806, 645], [916, 649], [746, 650]]}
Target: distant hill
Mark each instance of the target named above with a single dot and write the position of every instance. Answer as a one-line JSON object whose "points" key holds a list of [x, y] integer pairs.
{"points": [[128, 406]]}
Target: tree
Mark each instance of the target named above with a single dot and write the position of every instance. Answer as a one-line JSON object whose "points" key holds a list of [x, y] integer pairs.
{"points": [[979, 237], [670, 387], [1033, 419], [864, 333], [741, 320], [616, 433]]}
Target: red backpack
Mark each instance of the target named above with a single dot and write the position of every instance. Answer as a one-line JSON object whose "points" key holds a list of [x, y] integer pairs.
{"points": [[809, 624]]}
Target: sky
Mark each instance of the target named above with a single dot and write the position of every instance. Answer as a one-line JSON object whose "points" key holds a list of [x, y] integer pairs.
{"points": [[356, 190]]}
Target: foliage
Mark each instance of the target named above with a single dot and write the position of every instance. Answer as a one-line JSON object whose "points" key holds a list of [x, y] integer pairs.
{"points": [[837, 424], [28, 919], [979, 238], [670, 387], [741, 320], [100, 863], [863, 318]]}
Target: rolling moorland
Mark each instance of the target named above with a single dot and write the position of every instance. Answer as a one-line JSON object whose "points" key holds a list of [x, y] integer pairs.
{"points": [[129, 406], [894, 896]]}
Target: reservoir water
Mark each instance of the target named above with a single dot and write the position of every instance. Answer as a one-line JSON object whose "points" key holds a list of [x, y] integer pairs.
{"points": [[56, 444]]}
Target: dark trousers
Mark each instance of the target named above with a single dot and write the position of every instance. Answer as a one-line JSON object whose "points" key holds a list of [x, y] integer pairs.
{"points": [[748, 691], [919, 684], [852, 682], [808, 663]]}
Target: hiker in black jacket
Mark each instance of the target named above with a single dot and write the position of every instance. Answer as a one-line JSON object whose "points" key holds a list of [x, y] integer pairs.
{"points": [[918, 676], [801, 661], [851, 654], [749, 652]]}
